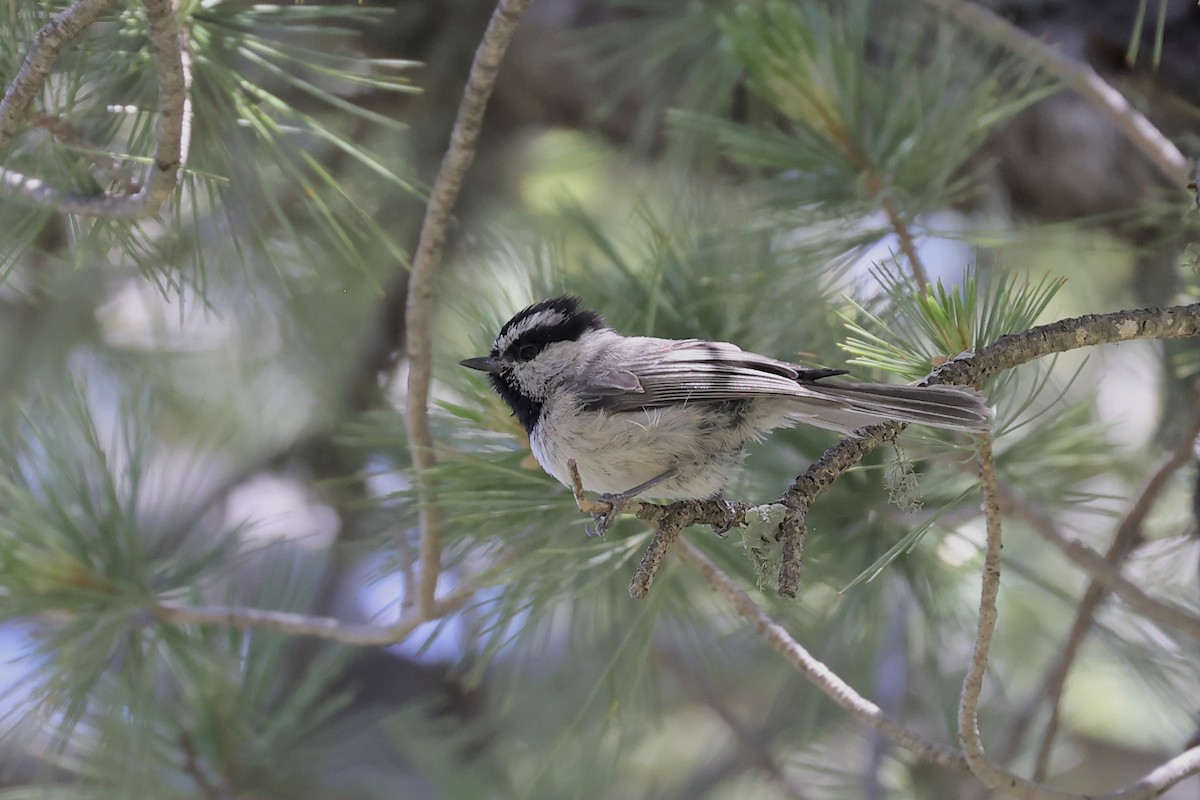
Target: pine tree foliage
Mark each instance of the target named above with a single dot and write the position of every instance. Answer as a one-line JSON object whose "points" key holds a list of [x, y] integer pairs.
{"points": [[151, 370]]}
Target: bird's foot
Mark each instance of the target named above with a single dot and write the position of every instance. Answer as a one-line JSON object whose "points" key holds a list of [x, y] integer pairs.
{"points": [[603, 520], [607, 507], [722, 529]]}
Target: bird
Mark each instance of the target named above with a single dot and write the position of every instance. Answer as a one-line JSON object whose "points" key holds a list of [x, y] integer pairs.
{"points": [[644, 417]]}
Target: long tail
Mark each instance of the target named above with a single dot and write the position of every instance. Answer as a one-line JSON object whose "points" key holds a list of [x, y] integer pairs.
{"points": [[954, 407]]}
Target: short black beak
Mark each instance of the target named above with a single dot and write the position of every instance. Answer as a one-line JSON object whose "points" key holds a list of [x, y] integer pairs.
{"points": [[482, 363]]}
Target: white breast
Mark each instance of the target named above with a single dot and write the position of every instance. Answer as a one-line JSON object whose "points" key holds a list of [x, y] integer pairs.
{"points": [[615, 452]]}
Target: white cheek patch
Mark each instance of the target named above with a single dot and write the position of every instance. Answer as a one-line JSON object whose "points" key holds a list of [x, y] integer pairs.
{"points": [[536, 377]]}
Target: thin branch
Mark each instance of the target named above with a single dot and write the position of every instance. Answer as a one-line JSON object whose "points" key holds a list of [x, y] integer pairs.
{"points": [[652, 560], [815, 671], [990, 774], [49, 42], [968, 705], [407, 555], [1082, 79], [878, 187], [348, 633], [173, 127], [1127, 538], [815, 481], [666, 520], [174, 109], [422, 281], [1179, 768]]}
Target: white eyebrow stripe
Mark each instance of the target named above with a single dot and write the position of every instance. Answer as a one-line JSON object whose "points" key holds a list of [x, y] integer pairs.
{"points": [[547, 318]]}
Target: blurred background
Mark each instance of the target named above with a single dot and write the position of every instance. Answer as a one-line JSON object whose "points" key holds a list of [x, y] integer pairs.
{"points": [[206, 407]]}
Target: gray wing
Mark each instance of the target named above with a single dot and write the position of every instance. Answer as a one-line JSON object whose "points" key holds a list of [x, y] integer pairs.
{"points": [[663, 372]]}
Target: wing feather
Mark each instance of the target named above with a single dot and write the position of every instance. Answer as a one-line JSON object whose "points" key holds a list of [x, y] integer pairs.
{"points": [[655, 373], [693, 370]]}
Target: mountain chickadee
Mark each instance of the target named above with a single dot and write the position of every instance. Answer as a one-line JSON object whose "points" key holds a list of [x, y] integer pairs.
{"points": [[670, 418]]}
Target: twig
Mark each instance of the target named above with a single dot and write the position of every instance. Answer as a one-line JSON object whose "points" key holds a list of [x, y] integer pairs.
{"points": [[815, 481], [666, 531], [173, 125], [667, 520], [968, 704], [879, 187], [1082, 79], [990, 774], [1128, 537], [422, 280], [174, 109], [656, 552], [408, 596], [907, 241]]}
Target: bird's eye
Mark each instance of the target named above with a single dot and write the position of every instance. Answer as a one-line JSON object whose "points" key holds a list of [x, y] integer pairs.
{"points": [[527, 352]]}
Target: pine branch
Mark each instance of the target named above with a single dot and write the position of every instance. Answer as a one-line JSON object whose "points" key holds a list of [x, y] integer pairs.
{"points": [[991, 775], [907, 243], [422, 281], [1005, 353]]}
